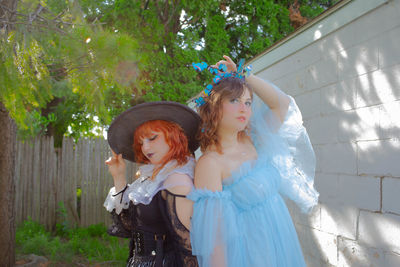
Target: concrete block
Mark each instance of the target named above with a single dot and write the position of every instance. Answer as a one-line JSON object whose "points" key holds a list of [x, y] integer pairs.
{"points": [[278, 82], [272, 73], [312, 262], [318, 245], [328, 48], [311, 219], [360, 124], [391, 195], [317, 158], [339, 158], [358, 60], [368, 26], [323, 129], [309, 104], [379, 231], [321, 73], [294, 83], [306, 56], [306, 239], [353, 255], [378, 87], [389, 52], [339, 96], [339, 220], [379, 158], [293, 63], [391, 260], [360, 191], [389, 120], [328, 187], [328, 245]]}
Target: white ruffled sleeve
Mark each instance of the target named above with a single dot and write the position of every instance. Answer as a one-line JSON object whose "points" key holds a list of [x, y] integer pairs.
{"points": [[115, 202], [143, 189]]}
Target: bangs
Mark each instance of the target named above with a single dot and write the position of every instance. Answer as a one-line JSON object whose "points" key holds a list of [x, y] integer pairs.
{"points": [[232, 87], [174, 136], [145, 130]]}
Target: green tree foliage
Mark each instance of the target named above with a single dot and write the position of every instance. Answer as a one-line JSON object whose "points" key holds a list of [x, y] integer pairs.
{"points": [[73, 64], [56, 69], [173, 34]]}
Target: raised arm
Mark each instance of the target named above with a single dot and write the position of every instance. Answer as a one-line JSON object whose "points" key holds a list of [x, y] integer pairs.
{"points": [[276, 100], [121, 211], [117, 168]]}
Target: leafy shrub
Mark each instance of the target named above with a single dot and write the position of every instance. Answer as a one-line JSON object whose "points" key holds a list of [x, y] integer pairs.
{"points": [[91, 244]]}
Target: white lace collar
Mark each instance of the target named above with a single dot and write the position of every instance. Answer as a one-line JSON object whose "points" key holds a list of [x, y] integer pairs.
{"points": [[143, 189]]}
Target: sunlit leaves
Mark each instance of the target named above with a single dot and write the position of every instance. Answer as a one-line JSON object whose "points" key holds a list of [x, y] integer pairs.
{"points": [[95, 58], [40, 67], [172, 34]]}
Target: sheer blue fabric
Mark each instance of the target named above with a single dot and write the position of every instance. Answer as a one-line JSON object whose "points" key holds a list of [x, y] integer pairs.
{"points": [[247, 223], [214, 228]]}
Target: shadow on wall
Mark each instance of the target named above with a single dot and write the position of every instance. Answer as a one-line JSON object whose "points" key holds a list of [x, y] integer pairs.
{"points": [[348, 88]]}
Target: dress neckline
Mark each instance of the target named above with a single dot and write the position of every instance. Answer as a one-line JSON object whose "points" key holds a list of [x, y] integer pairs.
{"points": [[243, 169]]}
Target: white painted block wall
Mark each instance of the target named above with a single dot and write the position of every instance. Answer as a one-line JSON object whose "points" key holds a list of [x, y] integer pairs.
{"points": [[347, 85]]}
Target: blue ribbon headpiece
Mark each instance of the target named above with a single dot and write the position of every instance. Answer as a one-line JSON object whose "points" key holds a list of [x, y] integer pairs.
{"points": [[219, 73]]}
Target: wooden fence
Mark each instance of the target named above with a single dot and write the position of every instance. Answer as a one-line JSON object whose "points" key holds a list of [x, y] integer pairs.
{"points": [[46, 176]]}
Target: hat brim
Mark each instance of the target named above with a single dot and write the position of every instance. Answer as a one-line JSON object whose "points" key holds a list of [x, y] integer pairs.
{"points": [[120, 133]]}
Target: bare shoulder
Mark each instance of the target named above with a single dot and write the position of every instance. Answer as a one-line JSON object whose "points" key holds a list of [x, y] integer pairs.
{"points": [[208, 172], [179, 183]]}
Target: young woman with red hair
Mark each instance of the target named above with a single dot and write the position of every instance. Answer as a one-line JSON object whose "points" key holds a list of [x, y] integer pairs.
{"points": [[153, 210]]}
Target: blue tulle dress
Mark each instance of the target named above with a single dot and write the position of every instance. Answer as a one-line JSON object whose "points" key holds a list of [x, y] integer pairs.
{"points": [[248, 223]]}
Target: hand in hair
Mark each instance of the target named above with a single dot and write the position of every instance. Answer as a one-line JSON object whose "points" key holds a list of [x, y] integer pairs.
{"points": [[117, 168], [230, 65]]}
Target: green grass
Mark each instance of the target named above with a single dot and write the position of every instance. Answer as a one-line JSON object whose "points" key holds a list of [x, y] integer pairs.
{"points": [[85, 245]]}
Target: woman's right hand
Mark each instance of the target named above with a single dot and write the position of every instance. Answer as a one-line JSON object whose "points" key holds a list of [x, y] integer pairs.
{"points": [[117, 168], [228, 62]]}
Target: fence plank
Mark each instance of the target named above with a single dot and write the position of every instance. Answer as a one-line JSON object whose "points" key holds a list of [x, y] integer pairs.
{"points": [[54, 188], [46, 176], [18, 184]]}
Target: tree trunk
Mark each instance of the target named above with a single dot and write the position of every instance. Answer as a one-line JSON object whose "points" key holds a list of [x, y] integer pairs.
{"points": [[7, 157], [7, 188]]}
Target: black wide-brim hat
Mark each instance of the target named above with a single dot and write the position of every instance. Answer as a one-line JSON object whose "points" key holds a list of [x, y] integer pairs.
{"points": [[120, 133]]}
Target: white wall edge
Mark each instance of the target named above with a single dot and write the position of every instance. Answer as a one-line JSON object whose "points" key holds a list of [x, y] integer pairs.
{"points": [[328, 22]]}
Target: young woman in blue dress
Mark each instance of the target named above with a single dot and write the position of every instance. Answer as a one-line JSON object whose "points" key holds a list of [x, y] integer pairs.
{"points": [[255, 151]]}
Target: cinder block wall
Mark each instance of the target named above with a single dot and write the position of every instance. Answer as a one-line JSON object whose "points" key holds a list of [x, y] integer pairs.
{"points": [[347, 85]]}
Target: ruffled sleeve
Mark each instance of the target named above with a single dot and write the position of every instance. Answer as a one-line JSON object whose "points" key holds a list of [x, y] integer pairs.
{"points": [[115, 202], [214, 233], [287, 146]]}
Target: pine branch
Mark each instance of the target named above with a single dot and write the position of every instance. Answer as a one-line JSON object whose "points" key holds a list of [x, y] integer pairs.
{"points": [[33, 16]]}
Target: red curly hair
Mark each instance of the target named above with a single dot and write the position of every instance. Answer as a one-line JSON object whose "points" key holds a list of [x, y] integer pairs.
{"points": [[211, 111], [174, 137]]}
